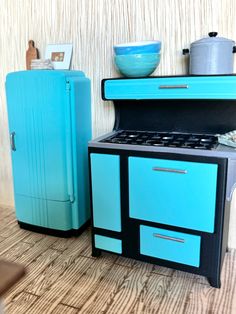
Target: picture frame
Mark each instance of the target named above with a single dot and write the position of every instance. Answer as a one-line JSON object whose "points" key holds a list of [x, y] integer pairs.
{"points": [[60, 55]]}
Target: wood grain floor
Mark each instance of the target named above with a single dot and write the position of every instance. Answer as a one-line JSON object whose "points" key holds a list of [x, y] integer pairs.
{"points": [[62, 277]]}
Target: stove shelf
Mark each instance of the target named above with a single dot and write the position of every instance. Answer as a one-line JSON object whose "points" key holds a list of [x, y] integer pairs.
{"points": [[181, 87]]}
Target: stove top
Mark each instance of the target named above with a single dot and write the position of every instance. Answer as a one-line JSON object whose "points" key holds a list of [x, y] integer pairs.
{"points": [[167, 139]]}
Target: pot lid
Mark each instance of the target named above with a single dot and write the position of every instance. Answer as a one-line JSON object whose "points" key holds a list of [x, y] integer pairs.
{"points": [[212, 39]]}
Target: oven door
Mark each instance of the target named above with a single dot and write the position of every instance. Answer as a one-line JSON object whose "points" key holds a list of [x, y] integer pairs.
{"points": [[177, 193]]}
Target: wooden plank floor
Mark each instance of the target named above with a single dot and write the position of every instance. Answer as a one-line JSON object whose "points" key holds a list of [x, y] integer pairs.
{"points": [[62, 277]]}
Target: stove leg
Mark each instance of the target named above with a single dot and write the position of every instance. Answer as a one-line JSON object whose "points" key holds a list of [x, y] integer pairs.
{"points": [[214, 282], [96, 252]]}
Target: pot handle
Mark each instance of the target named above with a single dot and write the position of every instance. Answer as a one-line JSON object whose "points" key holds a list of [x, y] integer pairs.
{"points": [[185, 51], [234, 49], [212, 34]]}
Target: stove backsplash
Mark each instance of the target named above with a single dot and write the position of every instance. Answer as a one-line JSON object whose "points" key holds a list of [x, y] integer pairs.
{"points": [[209, 116]]}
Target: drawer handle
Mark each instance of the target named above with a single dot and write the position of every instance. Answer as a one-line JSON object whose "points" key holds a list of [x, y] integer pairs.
{"points": [[157, 235], [170, 170], [173, 86]]}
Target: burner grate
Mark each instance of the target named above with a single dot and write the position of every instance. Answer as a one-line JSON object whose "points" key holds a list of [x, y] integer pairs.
{"points": [[168, 139]]}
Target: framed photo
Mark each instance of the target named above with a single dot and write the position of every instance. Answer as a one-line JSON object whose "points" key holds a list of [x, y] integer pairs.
{"points": [[60, 55]]}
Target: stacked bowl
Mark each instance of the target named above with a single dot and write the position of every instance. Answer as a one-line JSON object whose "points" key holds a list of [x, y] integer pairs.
{"points": [[137, 59]]}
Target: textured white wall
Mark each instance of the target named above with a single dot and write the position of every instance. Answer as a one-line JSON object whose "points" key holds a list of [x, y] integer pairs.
{"points": [[93, 26]]}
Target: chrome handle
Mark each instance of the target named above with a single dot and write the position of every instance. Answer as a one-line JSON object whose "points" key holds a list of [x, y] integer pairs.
{"points": [[12, 141], [157, 235], [170, 170], [173, 86]]}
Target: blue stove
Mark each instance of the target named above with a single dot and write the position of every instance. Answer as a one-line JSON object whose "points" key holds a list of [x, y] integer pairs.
{"points": [[161, 184]]}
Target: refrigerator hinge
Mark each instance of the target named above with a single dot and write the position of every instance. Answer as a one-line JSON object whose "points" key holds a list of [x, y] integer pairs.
{"points": [[67, 86]]}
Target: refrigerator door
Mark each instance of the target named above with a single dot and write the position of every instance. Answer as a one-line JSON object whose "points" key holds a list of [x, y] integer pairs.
{"points": [[80, 104], [39, 124]]}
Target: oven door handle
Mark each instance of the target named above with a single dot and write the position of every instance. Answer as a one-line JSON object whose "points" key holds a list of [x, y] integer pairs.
{"points": [[180, 171]]}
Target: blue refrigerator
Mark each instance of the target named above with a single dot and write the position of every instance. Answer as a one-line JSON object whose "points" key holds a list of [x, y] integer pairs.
{"points": [[49, 115]]}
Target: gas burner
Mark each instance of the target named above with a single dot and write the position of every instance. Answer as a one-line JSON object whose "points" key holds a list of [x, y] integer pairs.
{"points": [[201, 147], [180, 140], [206, 140], [168, 137]]}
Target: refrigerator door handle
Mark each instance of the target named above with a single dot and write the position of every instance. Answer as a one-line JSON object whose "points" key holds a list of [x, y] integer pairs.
{"points": [[12, 141]]}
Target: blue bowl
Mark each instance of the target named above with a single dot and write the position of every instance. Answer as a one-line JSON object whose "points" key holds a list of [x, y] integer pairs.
{"points": [[138, 47], [137, 65]]}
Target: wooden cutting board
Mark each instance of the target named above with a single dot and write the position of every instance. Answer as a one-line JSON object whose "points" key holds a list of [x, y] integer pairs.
{"points": [[10, 273], [31, 54]]}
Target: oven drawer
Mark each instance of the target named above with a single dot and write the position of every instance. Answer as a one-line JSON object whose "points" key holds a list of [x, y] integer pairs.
{"points": [[207, 87], [170, 245], [108, 244], [178, 193]]}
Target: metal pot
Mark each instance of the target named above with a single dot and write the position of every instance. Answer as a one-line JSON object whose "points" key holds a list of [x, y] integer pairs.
{"points": [[211, 55]]}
